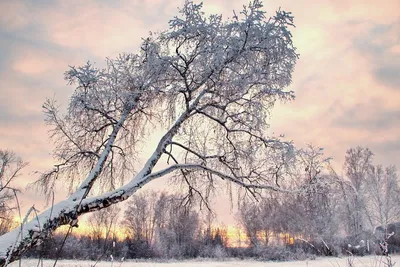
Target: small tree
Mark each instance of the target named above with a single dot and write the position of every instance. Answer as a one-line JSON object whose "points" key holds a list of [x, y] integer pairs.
{"points": [[382, 195], [10, 167], [178, 232], [357, 165], [210, 84], [140, 217], [251, 221], [102, 225]]}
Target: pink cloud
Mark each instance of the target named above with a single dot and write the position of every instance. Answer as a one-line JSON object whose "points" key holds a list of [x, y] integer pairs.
{"points": [[103, 30], [36, 62], [13, 15], [395, 49]]}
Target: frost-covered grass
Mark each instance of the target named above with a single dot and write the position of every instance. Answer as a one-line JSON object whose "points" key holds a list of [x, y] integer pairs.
{"points": [[369, 261]]}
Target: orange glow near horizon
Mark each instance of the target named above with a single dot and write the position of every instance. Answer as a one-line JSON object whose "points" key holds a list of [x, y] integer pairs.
{"points": [[236, 236], [84, 230]]}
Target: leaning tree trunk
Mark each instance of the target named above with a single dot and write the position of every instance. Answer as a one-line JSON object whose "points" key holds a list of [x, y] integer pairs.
{"points": [[33, 233]]}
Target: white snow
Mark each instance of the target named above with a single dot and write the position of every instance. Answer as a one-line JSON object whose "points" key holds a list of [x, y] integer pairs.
{"points": [[370, 261]]}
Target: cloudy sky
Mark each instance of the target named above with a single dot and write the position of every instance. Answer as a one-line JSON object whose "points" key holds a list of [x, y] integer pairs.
{"points": [[347, 79]]}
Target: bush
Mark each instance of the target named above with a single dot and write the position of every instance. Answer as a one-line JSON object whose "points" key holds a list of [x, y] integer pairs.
{"points": [[211, 251], [274, 253]]}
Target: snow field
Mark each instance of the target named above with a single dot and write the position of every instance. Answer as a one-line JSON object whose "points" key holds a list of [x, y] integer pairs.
{"points": [[370, 261]]}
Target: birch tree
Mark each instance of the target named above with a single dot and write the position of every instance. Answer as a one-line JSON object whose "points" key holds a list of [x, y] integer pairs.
{"points": [[357, 165], [210, 83]]}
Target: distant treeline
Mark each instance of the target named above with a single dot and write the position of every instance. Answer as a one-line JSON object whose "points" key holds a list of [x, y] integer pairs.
{"points": [[351, 214]]}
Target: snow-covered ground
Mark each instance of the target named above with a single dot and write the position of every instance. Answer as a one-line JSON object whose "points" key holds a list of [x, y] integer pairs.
{"points": [[320, 262]]}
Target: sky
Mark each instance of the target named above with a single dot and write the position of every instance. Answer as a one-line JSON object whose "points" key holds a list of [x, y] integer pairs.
{"points": [[347, 79]]}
